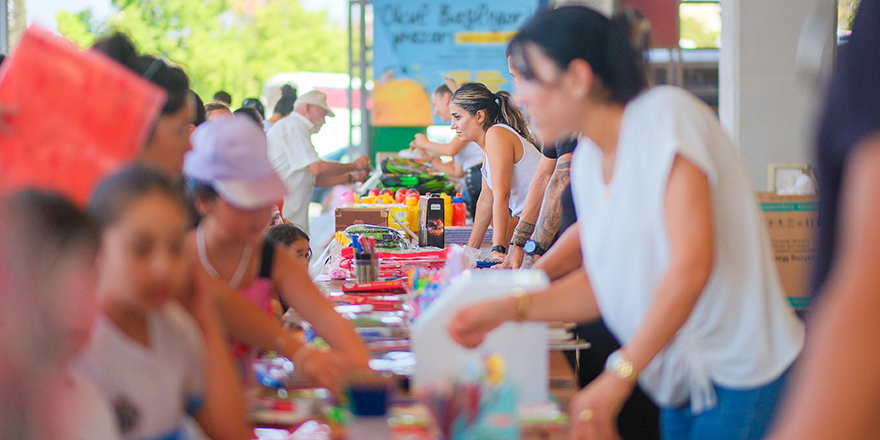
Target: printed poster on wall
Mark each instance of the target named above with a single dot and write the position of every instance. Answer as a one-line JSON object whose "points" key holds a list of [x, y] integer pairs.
{"points": [[418, 43]]}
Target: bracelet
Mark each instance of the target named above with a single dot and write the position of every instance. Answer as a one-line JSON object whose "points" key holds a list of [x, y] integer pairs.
{"points": [[522, 308], [350, 180], [301, 354], [499, 248]]}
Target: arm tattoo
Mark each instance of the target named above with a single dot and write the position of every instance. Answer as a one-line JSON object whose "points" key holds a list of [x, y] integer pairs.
{"points": [[550, 219], [522, 233]]}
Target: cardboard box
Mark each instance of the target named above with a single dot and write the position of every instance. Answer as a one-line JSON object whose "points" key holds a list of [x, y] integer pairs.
{"points": [[346, 217], [792, 222]]}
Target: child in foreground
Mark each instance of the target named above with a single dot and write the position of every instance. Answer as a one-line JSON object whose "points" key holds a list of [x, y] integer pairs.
{"points": [[47, 311], [156, 359]]}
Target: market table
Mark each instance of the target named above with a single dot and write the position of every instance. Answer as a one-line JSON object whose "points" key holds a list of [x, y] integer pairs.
{"points": [[562, 384]]}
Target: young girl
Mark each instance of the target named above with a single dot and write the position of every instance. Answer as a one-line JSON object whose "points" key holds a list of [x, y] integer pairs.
{"points": [[495, 123], [155, 360], [295, 242], [47, 311], [234, 188]]}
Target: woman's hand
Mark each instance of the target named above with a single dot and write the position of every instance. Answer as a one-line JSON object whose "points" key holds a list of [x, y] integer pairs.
{"points": [[420, 140], [470, 325], [324, 368], [595, 408]]}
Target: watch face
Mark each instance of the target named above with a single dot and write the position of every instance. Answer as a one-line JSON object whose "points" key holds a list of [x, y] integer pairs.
{"points": [[530, 247]]}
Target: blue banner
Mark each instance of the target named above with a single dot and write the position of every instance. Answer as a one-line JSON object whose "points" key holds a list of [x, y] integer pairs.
{"points": [[418, 43]]}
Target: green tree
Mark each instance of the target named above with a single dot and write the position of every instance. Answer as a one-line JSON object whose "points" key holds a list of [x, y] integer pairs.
{"points": [[218, 43]]}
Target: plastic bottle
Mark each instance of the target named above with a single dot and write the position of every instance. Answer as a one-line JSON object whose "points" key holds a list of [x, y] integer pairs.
{"points": [[412, 202], [400, 195], [459, 211], [447, 206]]}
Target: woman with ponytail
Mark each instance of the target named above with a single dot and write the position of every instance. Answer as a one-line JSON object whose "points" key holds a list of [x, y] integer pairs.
{"points": [[510, 159], [669, 248]]}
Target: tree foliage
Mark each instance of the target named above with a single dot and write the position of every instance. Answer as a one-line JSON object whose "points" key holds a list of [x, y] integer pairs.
{"points": [[222, 45]]}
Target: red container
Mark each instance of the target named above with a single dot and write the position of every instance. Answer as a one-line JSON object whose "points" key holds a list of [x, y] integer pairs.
{"points": [[459, 211], [400, 196]]}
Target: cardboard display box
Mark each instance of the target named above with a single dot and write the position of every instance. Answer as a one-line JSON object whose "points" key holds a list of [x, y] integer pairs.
{"points": [[792, 222], [346, 217]]}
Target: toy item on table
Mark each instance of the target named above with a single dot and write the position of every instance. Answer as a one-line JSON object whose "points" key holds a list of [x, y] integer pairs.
{"points": [[369, 396], [405, 173], [431, 221], [474, 405], [279, 407], [396, 286], [424, 286], [392, 264], [386, 238]]}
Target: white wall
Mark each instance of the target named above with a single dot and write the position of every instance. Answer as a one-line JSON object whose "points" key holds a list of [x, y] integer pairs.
{"points": [[765, 105]]}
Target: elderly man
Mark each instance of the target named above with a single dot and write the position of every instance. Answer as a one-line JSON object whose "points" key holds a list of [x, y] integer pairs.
{"points": [[297, 163]]}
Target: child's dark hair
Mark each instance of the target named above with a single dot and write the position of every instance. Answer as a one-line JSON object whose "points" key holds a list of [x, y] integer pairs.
{"points": [[45, 225], [286, 234], [256, 104], [196, 189], [224, 97], [288, 96], [201, 114], [250, 113], [114, 194]]}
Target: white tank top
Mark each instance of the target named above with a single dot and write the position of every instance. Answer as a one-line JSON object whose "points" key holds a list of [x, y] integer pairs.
{"points": [[523, 173]]}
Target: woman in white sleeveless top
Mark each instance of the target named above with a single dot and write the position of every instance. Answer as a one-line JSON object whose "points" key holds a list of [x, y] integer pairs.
{"points": [[497, 125], [675, 254]]}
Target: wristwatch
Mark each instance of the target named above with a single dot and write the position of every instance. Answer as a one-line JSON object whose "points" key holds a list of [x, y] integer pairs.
{"points": [[620, 366], [499, 248], [533, 248]]}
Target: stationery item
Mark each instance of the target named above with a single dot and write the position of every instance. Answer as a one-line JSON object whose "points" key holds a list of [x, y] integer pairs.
{"points": [[431, 217], [60, 137]]}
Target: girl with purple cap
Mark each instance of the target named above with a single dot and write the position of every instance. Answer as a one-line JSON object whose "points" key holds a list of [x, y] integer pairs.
{"points": [[235, 188]]}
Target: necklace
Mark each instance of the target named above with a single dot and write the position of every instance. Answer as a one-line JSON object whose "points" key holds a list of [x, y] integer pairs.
{"points": [[203, 257]]}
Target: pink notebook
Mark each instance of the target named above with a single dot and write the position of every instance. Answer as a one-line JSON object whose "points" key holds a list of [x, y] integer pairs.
{"points": [[80, 115]]}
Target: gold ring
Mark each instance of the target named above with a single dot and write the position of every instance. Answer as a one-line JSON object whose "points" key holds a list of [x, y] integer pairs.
{"points": [[586, 415]]}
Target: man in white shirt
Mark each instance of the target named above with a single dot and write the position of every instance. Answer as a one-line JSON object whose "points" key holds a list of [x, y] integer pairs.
{"points": [[294, 158]]}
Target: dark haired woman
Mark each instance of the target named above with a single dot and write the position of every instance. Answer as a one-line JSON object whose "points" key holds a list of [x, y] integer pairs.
{"points": [[169, 139], [496, 124], [675, 255], [283, 107]]}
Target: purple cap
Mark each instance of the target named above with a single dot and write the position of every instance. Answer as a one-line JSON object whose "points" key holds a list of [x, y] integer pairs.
{"points": [[231, 154]]}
